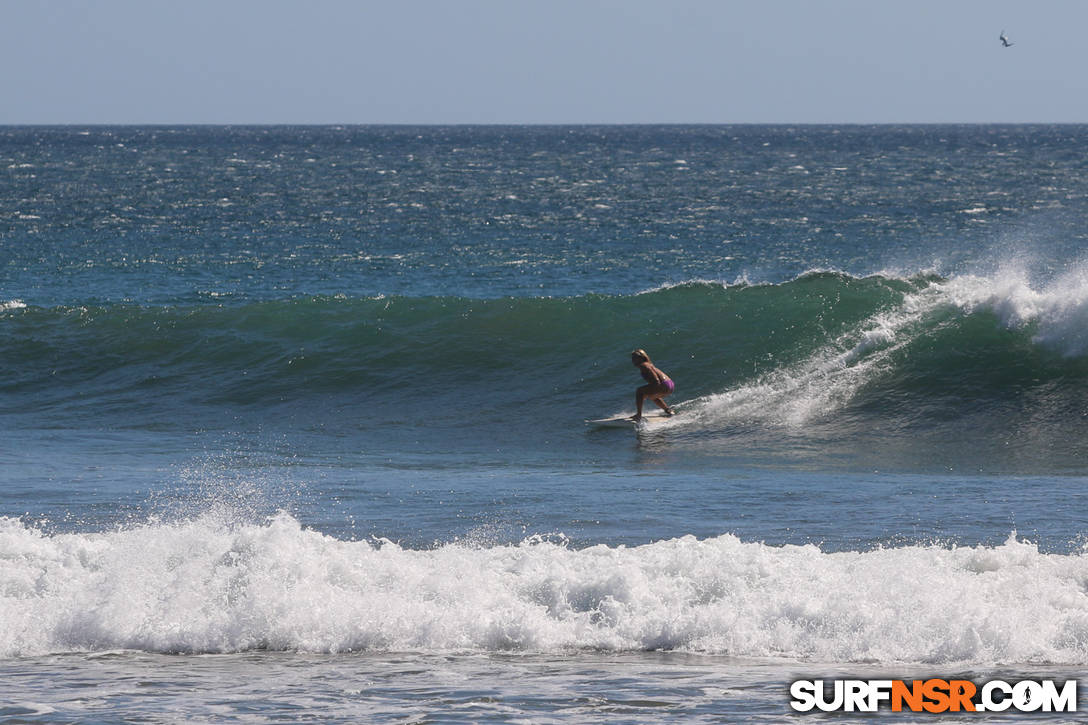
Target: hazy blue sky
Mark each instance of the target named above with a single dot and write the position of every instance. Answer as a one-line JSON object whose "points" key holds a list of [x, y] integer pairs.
{"points": [[546, 61]]}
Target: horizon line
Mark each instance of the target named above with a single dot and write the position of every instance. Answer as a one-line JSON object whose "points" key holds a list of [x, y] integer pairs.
{"points": [[534, 124]]}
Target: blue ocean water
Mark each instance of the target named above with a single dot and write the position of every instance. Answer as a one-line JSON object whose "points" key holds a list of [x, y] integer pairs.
{"points": [[294, 418]]}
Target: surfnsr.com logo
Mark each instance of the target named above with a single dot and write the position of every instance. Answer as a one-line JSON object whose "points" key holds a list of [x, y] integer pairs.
{"points": [[933, 695]]}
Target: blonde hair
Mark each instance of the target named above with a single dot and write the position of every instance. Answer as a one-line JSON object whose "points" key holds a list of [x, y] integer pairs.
{"points": [[640, 353]]}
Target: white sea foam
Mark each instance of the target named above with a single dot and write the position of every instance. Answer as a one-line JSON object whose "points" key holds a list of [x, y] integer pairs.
{"points": [[206, 586], [13, 305], [1055, 313], [827, 380]]}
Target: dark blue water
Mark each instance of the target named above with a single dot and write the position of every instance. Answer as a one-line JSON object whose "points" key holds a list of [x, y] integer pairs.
{"points": [[290, 401]]}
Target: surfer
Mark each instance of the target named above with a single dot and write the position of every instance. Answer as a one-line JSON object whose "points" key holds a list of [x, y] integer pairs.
{"points": [[658, 384], [1005, 41]]}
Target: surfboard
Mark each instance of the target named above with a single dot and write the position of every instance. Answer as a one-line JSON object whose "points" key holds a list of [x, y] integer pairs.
{"points": [[624, 421]]}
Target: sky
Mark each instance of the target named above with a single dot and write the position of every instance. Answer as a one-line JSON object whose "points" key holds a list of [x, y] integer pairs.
{"points": [[542, 61]]}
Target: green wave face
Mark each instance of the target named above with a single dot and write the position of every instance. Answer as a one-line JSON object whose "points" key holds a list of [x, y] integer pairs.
{"points": [[822, 349]]}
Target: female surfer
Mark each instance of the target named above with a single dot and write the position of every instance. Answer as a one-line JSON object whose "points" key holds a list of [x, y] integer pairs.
{"points": [[658, 384]]}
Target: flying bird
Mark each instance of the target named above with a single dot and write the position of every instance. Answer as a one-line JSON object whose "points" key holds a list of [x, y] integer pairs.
{"points": [[1005, 40]]}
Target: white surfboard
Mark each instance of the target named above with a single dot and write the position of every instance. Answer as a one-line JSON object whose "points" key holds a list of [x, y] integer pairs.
{"points": [[624, 421]]}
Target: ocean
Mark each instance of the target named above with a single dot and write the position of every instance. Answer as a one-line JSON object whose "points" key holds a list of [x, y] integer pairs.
{"points": [[294, 419]]}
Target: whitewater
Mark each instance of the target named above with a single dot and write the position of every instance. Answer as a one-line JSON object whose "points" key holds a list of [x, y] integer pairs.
{"points": [[201, 586]]}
